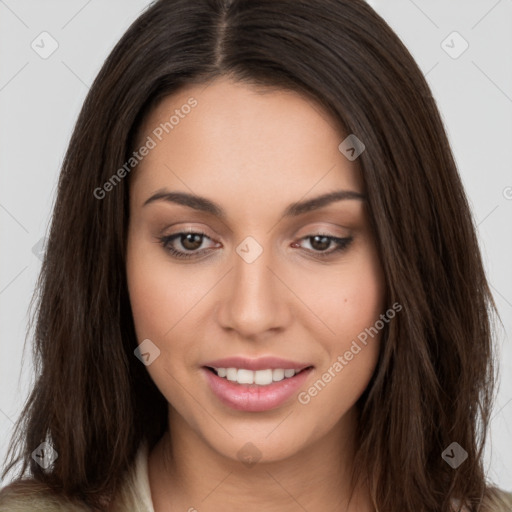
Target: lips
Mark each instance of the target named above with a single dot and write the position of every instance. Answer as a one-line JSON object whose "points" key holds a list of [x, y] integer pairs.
{"points": [[252, 397]]}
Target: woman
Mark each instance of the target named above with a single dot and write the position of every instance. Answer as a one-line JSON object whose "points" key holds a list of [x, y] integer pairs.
{"points": [[262, 273]]}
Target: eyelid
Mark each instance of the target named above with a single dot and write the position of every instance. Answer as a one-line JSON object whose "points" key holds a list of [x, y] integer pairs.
{"points": [[313, 229], [335, 230]]}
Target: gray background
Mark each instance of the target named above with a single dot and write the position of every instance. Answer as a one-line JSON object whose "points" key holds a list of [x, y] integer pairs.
{"points": [[40, 99]]}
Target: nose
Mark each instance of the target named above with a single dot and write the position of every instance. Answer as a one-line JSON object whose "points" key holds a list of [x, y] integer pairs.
{"points": [[255, 299]]}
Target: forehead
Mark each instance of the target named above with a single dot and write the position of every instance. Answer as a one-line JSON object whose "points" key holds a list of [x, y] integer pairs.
{"points": [[244, 142]]}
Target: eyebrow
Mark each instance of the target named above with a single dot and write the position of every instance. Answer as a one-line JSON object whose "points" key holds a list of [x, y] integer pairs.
{"points": [[293, 210]]}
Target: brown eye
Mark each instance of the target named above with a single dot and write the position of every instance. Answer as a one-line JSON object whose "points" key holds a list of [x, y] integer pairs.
{"points": [[321, 242], [189, 241]]}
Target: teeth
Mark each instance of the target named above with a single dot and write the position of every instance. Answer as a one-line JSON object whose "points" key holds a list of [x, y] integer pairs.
{"points": [[245, 377], [259, 377], [263, 377], [278, 375], [231, 373]]}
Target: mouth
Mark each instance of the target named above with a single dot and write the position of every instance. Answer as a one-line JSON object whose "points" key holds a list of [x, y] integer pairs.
{"points": [[260, 390], [257, 378]]}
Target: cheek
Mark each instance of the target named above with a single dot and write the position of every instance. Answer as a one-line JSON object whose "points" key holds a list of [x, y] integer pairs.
{"points": [[159, 296], [363, 299], [354, 304], [347, 299], [162, 301], [157, 305], [150, 297], [364, 290], [363, 304]]}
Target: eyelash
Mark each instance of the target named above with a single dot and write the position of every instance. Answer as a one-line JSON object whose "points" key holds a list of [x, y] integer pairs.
{"points": [[342, 244]]}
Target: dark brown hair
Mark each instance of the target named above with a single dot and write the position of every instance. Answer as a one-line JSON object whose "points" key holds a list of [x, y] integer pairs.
{"points": [[93, 399]]}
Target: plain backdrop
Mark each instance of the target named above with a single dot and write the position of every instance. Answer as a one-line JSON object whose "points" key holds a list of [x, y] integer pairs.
{"points": [[463, 47]]}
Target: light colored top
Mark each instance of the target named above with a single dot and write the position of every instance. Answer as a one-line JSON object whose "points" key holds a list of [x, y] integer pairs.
{"points": [[142, 486], [135, 495], [141, 480]]}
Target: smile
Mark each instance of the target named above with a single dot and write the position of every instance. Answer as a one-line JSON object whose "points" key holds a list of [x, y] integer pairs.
{"points": [[259, 377], [254, 390]]}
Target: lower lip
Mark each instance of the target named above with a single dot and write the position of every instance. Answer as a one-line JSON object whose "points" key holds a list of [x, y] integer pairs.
{"points": [[252, 398]]}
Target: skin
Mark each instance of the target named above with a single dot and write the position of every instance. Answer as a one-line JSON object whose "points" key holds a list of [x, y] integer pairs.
{"points": [[253, 154]]}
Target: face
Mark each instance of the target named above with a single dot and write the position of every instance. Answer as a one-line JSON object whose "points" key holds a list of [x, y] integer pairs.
{"points": [[245, 274]]}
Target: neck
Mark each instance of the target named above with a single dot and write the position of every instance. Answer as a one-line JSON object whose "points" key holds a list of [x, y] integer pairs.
{"points": [[186, 474]]}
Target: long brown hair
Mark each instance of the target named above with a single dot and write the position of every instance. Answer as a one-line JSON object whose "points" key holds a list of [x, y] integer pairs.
{"points": [[433, 385]]}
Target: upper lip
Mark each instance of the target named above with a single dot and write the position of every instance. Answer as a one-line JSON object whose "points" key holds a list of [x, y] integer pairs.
{"points": [[262, 363]]}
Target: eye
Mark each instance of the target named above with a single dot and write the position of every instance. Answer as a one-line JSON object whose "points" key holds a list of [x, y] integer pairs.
{"points": [[320, 242], [193, 240]]}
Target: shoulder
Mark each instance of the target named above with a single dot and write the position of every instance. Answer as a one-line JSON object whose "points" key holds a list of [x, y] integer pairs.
{"points": [[494, 500], [134, 494], [32, 496], [497, 500]]}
